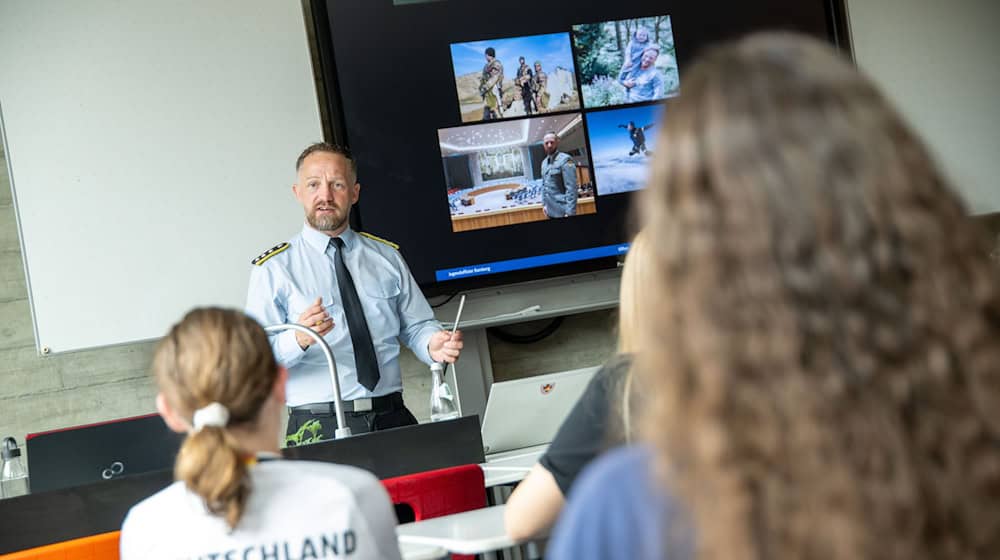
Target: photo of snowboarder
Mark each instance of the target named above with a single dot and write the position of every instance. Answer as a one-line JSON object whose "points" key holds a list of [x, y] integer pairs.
{"points": [[638, 136], [621, 141]]}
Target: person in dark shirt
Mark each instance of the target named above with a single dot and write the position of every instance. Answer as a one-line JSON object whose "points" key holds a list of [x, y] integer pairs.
{"points": [[598, 421], [524, 78]]}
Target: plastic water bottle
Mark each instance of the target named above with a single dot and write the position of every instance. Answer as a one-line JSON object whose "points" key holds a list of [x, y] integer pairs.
{"points": [[442, 402], [13, 476]]}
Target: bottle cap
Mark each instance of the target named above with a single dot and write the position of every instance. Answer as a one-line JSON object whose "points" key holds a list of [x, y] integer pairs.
{"points": [[9, 449]]}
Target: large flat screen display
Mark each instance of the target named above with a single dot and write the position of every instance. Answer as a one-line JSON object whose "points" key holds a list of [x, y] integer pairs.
{"points": [[499, 142]]}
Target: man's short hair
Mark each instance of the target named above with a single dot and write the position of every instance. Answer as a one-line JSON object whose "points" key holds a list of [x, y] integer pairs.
{"points": [[521, 59], [491, 52], [551, 133], [330, 149]]}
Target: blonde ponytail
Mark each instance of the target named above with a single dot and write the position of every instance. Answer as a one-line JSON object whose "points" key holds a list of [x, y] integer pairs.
{"points": [[216, 357], [211, 466]]}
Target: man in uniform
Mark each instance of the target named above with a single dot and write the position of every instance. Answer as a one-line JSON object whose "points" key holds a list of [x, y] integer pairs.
{"points": [[524, 78], [559, 192], [540, 88], [491, 86], [353, 289]]}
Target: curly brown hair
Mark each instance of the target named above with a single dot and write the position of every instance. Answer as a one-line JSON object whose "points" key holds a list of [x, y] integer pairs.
{"points": [[824, 347]]}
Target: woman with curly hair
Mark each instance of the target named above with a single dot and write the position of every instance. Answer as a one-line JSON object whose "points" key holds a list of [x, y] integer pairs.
{"points": [[821, 367]]}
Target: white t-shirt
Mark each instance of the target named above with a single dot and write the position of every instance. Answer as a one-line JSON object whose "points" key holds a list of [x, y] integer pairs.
{"points": [[296, 510]]}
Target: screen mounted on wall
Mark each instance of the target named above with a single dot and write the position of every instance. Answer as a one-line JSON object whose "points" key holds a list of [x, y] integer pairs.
{"points": [[503, 142]]}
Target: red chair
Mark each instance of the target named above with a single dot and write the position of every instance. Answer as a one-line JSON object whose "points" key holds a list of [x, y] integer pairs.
{"points": [[439, 492]]}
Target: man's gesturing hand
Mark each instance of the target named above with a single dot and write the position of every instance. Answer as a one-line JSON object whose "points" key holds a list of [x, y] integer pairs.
{"points": [[316, 318]]}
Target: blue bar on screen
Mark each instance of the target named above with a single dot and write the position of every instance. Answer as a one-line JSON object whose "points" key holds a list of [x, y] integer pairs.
{"points": [[531, 262]]}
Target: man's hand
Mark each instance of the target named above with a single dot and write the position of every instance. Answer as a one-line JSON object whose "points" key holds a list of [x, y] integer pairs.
{"points": [[445, 347], [317, 319]]}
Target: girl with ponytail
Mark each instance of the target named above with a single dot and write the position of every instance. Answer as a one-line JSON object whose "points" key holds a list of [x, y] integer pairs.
{"points": [[233, 498]]}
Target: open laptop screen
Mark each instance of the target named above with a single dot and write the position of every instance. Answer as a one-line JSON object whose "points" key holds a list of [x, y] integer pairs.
{"points": [[527, 412]]}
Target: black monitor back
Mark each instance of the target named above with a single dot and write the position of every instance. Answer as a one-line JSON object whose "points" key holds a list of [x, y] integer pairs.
{"points": [[92, 453], [42, 518]]}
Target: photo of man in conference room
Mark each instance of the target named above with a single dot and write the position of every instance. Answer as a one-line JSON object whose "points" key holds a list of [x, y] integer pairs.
{"points": [[496, 174]]}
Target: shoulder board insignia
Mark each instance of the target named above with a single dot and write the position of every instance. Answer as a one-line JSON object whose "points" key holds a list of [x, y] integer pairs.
{"points": [[270, 253], [380, 240]]}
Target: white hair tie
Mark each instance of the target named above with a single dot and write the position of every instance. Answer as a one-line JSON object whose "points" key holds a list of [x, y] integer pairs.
{"points": [[213, 414]]}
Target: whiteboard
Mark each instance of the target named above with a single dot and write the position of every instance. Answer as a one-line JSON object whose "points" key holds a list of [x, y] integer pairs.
{"points": [[151, 148]]}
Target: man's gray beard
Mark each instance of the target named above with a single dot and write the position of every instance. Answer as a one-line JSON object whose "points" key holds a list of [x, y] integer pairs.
{"points": [[325, 223]]}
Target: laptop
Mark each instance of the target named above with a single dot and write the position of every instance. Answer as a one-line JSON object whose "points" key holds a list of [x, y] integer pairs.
{"points": [[528, 412], [95, 452]]}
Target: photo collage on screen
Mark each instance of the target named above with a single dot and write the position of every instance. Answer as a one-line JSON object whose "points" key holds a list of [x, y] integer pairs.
{"points": [[550, 123]]}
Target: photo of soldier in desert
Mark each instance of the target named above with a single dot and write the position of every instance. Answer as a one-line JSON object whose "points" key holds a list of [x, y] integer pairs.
{"points": [[515, 77]]}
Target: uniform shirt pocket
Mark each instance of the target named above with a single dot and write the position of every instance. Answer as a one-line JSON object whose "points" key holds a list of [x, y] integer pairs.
{"points": [[555, 174], [377, 277], [298, 303], [382, 288]]}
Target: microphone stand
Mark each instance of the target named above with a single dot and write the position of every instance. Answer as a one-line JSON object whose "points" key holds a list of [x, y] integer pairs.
{"points": [[342, 430]]}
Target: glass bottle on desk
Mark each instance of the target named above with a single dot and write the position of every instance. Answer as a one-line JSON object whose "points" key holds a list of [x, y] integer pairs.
{"points": [[13, 476], [442, 402]]}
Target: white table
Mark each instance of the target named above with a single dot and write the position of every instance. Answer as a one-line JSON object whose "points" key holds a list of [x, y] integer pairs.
{"points": [[412, 551], [511, 466], [479, 531]]}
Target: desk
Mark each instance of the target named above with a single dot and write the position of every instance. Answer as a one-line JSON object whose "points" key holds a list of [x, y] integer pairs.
{"points": [[478, 531], [511, 466]]}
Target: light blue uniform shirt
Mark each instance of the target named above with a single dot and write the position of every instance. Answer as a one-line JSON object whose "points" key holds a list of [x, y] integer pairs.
{"points": [[283, 286]]}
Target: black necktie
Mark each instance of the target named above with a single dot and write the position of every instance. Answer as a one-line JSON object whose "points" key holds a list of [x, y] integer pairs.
{"points": [[361, 338]]}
